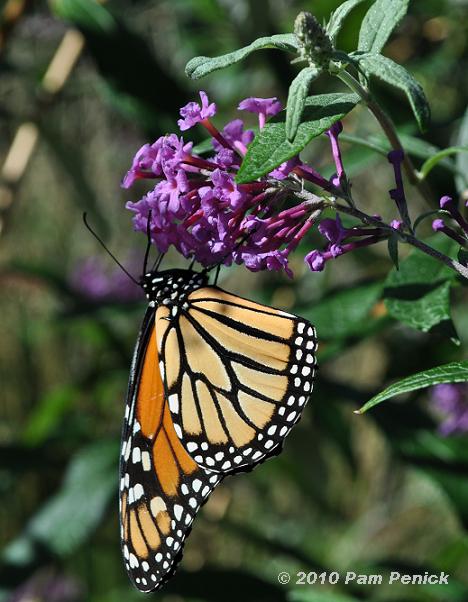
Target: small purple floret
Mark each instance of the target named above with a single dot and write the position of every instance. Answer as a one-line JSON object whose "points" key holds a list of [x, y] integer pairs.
{"points": [[315, 261], [446, 202], [264, 107], [267, 106], [193, 113], [332, 230], [333, 133], [235, 135]]}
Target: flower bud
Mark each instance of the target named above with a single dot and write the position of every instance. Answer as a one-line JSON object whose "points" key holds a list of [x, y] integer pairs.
{"points": [[314, 44]]}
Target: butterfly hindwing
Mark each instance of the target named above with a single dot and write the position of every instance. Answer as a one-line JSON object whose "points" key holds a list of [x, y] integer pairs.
{"points": [[161, 486], [237, 376]]}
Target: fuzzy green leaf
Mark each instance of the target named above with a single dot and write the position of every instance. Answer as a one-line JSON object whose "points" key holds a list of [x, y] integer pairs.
{"points": [[418, 294], [200, 66], [397, 76], [455, 372], [297, 98], [379, 22], [271, 146], [338, 16], [462, 256]]}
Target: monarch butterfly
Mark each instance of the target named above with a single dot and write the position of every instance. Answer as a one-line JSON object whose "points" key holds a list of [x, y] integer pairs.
{"points": [[216, 384]]}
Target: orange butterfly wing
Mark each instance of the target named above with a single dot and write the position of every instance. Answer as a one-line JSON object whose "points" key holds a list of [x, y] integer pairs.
{"points": [[237, 375], [161, 487]]}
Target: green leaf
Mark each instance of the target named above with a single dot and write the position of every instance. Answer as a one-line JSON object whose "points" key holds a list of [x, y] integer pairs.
{"points": [[397, 76], [84, 13], [418, 294], [200, 66], [456, 372], [346, 313], [338, 16], [379, 22], [271, 146], [430, 163], [297, 99], [70, 516], [462, 159], [393, 250], [463, 256]]}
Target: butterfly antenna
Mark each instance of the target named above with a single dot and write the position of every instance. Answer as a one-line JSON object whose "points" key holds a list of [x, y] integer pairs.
{"points": [[103, 245], [158, 261], [148, 244]]}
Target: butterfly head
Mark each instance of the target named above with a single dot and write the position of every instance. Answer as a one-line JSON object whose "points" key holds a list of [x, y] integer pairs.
{"points": [[171, 287]]}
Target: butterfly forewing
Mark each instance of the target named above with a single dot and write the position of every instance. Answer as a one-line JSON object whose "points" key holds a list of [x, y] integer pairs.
{"points": [[161, 486], [237, 376]]}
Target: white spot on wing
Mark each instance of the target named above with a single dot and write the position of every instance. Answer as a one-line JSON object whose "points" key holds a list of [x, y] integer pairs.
{"points": [[146, 461], [174, 403], [136, 455], [138, 491]]}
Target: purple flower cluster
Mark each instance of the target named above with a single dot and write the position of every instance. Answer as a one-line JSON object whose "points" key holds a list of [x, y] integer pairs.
{"points": [[450, 401], [197, 206], [94, 281]]}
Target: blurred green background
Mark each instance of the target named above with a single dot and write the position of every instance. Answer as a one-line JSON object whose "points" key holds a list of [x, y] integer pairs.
{"points": [[369, 493]]}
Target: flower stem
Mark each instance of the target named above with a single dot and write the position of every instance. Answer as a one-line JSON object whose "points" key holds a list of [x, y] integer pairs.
{"points": [[315, 201], [408, 238], [389, 130]]}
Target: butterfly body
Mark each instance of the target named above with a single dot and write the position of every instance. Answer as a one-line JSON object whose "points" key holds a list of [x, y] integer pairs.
{"points": [[217, 382], [171, 287]]}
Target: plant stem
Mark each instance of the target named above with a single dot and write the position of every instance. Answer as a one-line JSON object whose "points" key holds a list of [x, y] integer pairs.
{"points": [[408, 238], [389, 129], [315, 201]]}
